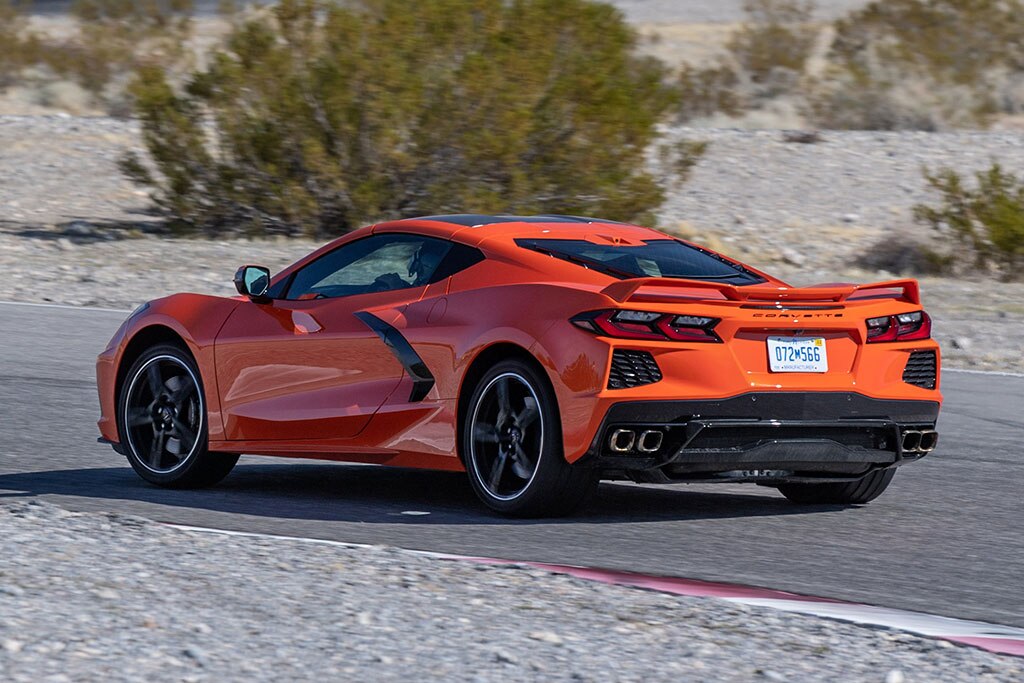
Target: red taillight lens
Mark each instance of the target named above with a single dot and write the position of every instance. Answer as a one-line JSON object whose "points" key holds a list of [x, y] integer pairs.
{"points": [[648, 325], [902, 327]]}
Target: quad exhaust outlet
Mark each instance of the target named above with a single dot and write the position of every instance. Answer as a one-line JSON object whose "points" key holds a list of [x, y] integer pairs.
{"points": [[920, 441], [625, 440]]}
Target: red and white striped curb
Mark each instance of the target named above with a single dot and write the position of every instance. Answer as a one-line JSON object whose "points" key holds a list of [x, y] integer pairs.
{"points": [[1007, 640]]}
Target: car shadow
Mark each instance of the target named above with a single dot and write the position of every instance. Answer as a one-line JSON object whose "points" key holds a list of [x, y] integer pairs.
{"points": [[353, 493]]}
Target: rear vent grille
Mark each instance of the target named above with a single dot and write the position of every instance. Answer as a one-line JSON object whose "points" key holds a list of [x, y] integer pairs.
{"points": [[921, 369], [633, 369]]}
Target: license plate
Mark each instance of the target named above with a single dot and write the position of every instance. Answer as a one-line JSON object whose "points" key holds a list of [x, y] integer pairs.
{"points": [[797, 354]]}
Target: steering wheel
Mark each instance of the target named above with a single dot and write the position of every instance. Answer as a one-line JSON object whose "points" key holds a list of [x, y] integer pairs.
{"points": [[387, 282]]}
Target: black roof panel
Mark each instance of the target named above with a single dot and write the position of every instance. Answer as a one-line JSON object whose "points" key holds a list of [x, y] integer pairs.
{"points": [[474, 219]]}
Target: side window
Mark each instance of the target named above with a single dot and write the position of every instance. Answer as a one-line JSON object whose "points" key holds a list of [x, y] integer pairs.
{"points": [[378, 263]]}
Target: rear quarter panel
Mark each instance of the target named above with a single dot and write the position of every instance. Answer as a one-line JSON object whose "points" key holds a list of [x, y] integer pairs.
{"points": [[450, 332]]}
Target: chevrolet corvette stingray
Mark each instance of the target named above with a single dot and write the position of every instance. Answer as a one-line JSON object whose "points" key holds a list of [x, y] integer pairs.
{"points": [[539, 354]]}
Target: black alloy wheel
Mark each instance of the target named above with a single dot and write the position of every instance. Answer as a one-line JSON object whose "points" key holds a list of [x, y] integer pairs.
{"points": [[162, 421], [508, 436], [512, 445]]}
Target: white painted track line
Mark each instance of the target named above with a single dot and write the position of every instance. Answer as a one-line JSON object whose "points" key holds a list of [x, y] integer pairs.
{"points": [[73, 308], [999, 373]]}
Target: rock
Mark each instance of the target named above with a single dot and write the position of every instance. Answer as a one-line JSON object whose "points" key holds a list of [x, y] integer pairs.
{"points": [[850, 218], [503, 657], [793, 257], [80, 229], [961, 343], [107, 594], [195, 654], [546, 637]]}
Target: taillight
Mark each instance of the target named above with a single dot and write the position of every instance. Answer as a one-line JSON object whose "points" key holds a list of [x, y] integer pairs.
{"points": [[900, 327], [648, 325]]}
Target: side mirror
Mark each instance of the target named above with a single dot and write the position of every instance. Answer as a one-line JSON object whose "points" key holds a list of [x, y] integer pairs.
{"points": [[253, 282]]}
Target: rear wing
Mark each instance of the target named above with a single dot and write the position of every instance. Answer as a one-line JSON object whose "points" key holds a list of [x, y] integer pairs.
{"points": [[660, 289]]}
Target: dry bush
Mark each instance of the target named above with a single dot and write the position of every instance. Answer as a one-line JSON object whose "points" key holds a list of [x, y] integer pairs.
{"points": [[708, 91], [905, 256], [922, 64], [324, 116], [19, 48], [114, 38], [767, 57], [110, 41], [676, 160], [774, 43], [987, 220], [867, 105]]}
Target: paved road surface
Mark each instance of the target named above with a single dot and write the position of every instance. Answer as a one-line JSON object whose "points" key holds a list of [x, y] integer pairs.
{"points": [[947, 537]]}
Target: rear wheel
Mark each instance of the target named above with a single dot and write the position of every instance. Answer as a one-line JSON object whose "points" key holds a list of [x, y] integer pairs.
{"points": [[162, 421], [864, 490], [512, 441]]}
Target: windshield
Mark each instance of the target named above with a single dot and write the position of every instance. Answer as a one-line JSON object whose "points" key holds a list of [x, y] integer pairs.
{"points": [[654, 258]]}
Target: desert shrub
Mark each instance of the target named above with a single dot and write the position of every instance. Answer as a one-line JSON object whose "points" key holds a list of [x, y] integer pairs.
{"points": [[676, 160], [904, 255], [320, 117], [114, 38], [922, 63], [766, 57], [709, 90], [774, 43], [19, 48], [839, 104], [987, 220], [109, 40]]}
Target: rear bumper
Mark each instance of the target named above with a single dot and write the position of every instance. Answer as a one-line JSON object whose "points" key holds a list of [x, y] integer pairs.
{"points": [[759, 436]]}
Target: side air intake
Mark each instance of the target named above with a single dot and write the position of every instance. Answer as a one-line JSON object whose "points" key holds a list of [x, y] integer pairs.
{"points": [[633, 369], [921, 369]]}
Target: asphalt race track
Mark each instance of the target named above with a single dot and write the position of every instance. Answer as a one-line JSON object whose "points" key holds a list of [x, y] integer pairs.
{"points": [[946, 537]]}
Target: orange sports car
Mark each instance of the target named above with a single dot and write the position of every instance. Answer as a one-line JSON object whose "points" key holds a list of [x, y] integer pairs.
{"points": [[540, 354]]}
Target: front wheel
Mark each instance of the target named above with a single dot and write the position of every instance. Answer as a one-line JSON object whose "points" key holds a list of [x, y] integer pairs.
{"points": [[512, 440], [864, 490], [162, 421]]}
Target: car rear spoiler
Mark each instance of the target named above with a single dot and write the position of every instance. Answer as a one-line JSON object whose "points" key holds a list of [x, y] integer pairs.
{"points": [[632, 290]]}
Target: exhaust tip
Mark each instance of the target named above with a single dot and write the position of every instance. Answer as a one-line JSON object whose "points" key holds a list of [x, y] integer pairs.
{"points": [[911, 441], [622, 440], [650, 441], [929, 440]]}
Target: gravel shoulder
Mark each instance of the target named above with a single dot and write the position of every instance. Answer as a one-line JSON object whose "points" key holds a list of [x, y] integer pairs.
{"points": [[87, 596]]}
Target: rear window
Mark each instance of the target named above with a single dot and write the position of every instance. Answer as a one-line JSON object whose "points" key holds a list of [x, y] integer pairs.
{"points": [[654, 258]]}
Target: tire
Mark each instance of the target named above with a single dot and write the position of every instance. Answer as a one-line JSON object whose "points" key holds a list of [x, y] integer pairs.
{"points": [[512, 446], [864, 490], [161, 420]]}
